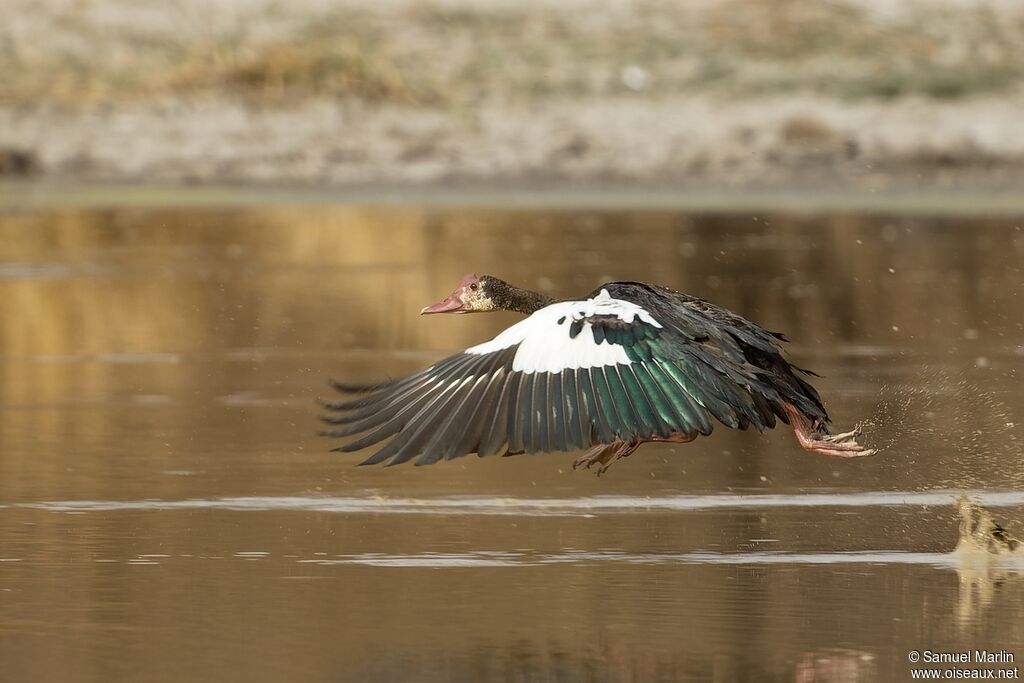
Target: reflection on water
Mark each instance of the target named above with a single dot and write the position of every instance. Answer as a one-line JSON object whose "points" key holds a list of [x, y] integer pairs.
{"points": [[162, 490]]}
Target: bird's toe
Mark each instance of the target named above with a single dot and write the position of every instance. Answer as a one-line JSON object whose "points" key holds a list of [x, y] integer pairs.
{"points": [[845, 436]]}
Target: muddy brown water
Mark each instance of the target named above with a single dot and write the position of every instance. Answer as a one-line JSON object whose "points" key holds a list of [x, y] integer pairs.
{"points": [[167, 511]]}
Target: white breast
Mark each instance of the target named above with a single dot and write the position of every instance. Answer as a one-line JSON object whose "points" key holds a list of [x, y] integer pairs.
{"points": [[545, 344]]}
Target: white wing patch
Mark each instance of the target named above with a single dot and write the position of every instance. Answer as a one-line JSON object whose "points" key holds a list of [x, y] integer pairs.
{"points": [[545, 345]]}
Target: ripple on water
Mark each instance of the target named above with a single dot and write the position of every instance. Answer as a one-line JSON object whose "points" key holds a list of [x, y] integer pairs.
{"points": [[527, 559], [457, 505]]}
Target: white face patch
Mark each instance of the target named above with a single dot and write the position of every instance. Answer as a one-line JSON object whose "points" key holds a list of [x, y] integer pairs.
{"points": [[545, 344]]}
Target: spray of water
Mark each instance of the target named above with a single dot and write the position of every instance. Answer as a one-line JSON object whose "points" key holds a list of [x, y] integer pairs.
{"points": [[955, 431]]}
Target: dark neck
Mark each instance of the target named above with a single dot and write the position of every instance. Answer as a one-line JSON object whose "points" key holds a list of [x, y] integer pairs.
{"points": [[510, 298]]}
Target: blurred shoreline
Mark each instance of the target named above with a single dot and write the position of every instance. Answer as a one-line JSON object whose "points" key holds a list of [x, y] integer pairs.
{"points": [[43, 194], [849, 96]]}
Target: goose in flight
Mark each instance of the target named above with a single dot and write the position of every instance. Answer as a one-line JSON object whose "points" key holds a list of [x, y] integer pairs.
{"points": [[628, 363]]}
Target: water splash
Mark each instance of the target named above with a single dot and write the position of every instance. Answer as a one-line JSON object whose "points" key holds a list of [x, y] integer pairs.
{"points": [[951, 419], [981, 537]]}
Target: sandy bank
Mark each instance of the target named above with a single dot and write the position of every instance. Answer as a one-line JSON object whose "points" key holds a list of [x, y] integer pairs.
{"points": [[860, 95]]}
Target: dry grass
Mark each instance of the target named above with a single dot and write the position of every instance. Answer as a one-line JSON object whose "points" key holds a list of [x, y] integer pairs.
{"points": [[431, 55], [338, 56], [279, 71]]}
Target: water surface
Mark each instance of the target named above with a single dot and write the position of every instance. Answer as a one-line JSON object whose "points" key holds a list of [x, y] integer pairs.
{"points": [[168, 512]]}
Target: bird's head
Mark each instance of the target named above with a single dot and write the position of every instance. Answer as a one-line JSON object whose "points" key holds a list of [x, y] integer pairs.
{"points": [[473, 295]]}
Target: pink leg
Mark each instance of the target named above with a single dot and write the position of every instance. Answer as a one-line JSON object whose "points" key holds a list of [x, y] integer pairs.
{"points": [[818, 441], [605, 454]]}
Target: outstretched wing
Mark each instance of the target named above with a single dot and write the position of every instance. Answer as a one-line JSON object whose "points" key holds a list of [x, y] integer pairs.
{"points": [[707, 336], [572, 375]]}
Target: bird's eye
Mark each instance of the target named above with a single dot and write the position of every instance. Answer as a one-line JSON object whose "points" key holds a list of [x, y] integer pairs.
{"points": [[474, 286]]}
